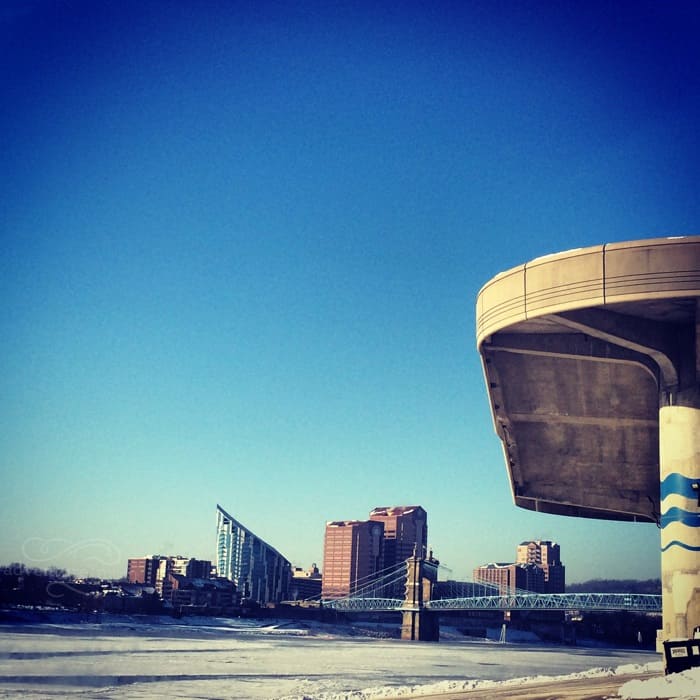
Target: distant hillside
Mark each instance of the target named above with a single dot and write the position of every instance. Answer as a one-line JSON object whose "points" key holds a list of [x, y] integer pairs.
{"points": [[609, 585]]}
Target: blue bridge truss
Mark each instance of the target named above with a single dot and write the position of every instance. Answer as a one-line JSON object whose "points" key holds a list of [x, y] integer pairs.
{"points": [[510, 601], [380, 594]]}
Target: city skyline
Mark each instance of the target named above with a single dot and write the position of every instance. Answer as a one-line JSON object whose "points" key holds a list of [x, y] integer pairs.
{"points": [[526, 551], [242, 244]]}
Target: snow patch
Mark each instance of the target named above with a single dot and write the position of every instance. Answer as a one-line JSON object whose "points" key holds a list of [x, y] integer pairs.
{"points": [[685, 685], [445, 687]]}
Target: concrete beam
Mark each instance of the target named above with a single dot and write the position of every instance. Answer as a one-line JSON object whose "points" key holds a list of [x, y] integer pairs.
{"points": [[662, 342]]}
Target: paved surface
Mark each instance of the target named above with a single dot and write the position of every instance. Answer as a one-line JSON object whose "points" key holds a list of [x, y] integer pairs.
{"points": [[579, 689]]}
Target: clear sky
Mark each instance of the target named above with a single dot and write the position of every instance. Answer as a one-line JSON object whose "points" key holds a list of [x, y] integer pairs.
{"points": [[242, 243]]}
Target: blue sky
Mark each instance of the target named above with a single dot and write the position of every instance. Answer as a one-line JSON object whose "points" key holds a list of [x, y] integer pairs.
{"points": [[242, 243]]}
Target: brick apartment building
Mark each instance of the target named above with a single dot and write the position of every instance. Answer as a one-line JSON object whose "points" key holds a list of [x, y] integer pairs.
{"points": [[143, 570], [537, 568], [155, 570], [508, 577]]}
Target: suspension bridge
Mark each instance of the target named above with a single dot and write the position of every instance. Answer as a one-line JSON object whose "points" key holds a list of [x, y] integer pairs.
{"points": [[412, 586]]}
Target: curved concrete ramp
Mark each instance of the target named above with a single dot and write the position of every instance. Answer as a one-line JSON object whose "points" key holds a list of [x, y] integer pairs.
{"points": [[579, 351]]}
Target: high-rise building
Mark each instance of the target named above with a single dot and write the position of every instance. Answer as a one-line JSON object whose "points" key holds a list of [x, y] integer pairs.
{"points": [[260, 572], [545, 554], [405, 532], [352, 554]]}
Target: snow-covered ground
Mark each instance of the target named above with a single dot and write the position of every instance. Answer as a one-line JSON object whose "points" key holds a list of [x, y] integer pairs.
{"points": [[222, 658], [684, 685]]}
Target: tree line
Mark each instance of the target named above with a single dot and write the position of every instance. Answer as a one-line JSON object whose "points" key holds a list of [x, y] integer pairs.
{"points": [[651, 586]]}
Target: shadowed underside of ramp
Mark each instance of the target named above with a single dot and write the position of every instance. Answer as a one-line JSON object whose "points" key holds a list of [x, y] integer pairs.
{"points": [[579, 350]]}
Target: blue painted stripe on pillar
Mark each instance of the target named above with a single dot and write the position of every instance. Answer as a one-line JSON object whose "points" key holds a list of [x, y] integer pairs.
{"points": [[678, 543], [678, 515], [675, 483]]}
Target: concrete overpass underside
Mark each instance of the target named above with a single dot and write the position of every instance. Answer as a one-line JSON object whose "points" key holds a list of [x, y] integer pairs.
{"points": [[574, 414], [591, 366]]}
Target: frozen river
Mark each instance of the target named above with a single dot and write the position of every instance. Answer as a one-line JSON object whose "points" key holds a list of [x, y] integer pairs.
{"points": [[246, 659]]}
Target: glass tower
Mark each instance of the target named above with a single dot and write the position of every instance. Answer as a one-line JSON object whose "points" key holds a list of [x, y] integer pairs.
{"points": [[260, 572]]}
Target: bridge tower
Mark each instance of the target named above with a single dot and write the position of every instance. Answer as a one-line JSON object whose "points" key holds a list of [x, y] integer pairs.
{"points": [[419, 624]]}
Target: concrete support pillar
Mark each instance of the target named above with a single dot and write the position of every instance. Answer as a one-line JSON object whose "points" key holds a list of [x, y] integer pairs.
{"points": [[679, 447], [419, 624]]}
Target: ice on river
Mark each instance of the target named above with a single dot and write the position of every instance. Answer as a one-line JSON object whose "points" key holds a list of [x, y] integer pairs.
{"points": [[249, 659]]}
